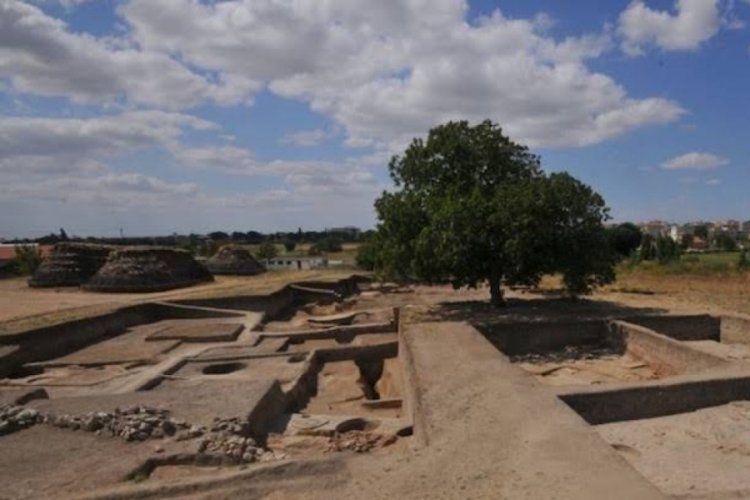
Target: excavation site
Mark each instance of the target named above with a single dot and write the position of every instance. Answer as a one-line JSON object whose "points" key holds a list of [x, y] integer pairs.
{"points": [[319, 387]]}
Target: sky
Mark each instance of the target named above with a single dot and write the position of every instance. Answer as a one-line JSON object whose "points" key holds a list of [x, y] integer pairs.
{"points": [[162, 116]]}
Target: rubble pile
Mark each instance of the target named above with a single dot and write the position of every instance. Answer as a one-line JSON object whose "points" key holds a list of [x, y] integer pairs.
{"points": [[15, 417], [230, 438], [132, 423], [359, 441]]}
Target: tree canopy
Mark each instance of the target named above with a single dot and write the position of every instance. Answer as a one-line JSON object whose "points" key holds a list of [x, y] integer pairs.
{"points": [[471, 206], [267, 250], [625, 238]]}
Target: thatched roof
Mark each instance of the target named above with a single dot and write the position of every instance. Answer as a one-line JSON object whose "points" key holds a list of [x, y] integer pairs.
{"points": [[148, 269], [234, 259], [70, 264]]}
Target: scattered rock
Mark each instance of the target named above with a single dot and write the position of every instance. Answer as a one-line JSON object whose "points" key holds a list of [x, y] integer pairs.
{"points": [[359, 441], [15, 417], [227, 437], [131, 423], [568, 353]]}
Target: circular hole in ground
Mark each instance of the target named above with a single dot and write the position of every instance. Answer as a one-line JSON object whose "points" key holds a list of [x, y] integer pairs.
{"points": [[356, 424], [223, 368], [297, 358]]}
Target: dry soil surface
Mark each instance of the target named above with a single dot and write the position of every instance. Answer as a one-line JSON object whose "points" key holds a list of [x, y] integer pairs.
{"points": [[705, 452]]}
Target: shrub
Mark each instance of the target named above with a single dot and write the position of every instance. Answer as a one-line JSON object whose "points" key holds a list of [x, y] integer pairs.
{"points": [[326, 245], [28, 258], [267, 250], [743, 262]]}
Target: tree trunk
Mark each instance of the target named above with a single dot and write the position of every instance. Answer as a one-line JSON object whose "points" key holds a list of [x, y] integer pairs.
{"points": [[496, 294]]}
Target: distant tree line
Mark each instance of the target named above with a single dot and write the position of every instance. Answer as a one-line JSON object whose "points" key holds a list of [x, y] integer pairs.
{"points": [[198, 244]]}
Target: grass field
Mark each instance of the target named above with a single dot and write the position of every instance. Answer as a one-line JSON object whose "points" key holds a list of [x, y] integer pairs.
{"points": [[689, 264], [348, 253], [711, 280]]}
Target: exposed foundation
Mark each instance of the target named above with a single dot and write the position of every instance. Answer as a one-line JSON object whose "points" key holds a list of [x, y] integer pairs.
{"points": [[335, 385], [312, 391]]}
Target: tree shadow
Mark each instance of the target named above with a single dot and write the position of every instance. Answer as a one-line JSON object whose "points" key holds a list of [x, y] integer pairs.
{"points": [[537, 309]]}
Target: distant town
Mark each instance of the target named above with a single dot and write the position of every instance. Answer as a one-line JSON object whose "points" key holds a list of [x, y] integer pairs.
{"points": [[701, 235]]}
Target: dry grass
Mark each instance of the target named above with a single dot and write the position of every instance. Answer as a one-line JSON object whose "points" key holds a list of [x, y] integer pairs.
{"points": [[724, 291], [714, 292]]}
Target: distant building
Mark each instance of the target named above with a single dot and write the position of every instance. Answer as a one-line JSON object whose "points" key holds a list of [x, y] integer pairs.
{"points": [[655, 228], [697, 244], [730, 227], [296, 263], [8, 252], [675, 232]]}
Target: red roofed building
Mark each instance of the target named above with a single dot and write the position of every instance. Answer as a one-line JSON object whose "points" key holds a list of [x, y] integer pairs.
{"points": [[8, 252]]}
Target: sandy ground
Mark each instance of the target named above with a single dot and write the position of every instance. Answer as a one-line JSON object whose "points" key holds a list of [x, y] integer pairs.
{"points": [[22, 307], [698, 453], [601, 370]]}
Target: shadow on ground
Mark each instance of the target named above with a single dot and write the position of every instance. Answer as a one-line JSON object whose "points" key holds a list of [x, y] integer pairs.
{"points": [[475, 311]]}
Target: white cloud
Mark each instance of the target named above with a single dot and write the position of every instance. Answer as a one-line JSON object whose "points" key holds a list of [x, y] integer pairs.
{"points": [[695, 161], [67, 162], [713, 182], [39, 55], [304, 138], [389, 71], [107, 190], [694, 22], [39, 146], [382, 72]]}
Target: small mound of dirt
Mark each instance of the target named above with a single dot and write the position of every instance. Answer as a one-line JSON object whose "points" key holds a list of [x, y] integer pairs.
{"points": [[70, 264], [148, 269], [234, 259]]}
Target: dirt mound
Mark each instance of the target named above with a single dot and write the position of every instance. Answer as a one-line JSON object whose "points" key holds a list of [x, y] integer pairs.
{"points": [[70, 264], [148, 269], [234, 259]]}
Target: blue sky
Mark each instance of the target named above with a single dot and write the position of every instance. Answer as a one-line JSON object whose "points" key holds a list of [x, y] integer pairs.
{"points": [[159, 116]]}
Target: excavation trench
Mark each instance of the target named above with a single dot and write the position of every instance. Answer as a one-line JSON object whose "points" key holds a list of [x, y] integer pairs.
{"points": [[599, 352], [367, 382]]}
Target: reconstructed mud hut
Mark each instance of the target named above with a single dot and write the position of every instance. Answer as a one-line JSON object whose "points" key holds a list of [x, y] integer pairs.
{"points": [[234, 259], [70, 264], [148, 269]]}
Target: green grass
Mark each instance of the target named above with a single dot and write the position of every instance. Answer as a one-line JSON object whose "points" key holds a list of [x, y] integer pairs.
{"points": [[693, 264]]}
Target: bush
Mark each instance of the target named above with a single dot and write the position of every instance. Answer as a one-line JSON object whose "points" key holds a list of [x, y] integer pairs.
{"points": [[326, 245], [289, 245], [725, 242], [661, 249], [625, 239], [368, 254], [743, 262], [267, 250], [28, 258]]}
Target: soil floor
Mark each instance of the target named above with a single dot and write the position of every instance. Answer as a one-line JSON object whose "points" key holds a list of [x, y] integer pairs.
{"points": [[604, 369], [705, 452]]}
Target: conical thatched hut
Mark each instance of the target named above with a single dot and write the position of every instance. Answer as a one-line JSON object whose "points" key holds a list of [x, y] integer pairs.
{"points": [[70, 264], [148, 269], [234, 259]]}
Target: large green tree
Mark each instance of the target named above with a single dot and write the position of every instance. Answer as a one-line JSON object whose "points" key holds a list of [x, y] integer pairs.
{"points": [[471, 206]]}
